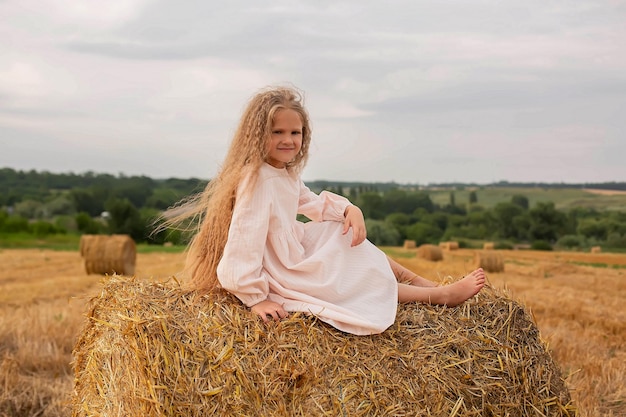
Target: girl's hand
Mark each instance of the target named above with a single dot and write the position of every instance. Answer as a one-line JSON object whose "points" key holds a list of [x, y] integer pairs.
{"points": [[269, 308], [355, 220]]}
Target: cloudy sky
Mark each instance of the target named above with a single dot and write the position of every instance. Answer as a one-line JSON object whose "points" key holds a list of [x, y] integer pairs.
{"points": [[408, 91]]}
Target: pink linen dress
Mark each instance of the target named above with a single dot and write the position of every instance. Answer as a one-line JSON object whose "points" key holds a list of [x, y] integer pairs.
{"points": [[308, 267]]}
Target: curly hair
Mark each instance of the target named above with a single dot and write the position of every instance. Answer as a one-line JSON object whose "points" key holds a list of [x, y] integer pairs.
{"points": [[210, 212]]}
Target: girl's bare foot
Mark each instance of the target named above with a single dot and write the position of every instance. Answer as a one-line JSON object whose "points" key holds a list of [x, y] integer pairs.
{"points": [[467, 287], [450, 295]]}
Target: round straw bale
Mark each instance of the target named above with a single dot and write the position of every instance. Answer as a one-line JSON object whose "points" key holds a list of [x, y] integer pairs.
{"points": [[430, 252], [490, 261], [596, 249], [154, 349], [409, 244], [114, 254], [85, 240], [451, 245], [488, 246]]}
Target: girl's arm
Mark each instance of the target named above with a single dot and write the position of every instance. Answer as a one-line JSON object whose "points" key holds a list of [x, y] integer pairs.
{"points": [[325, 206], [354, 219], [240, 270], [330, 206]]}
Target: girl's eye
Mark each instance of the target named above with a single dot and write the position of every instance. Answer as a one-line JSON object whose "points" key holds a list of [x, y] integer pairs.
{"points": [[277, 132], [296, 132]]}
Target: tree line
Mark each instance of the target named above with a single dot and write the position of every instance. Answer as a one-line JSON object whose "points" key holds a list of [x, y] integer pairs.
{"points": [[42, 203], [397, 215]]}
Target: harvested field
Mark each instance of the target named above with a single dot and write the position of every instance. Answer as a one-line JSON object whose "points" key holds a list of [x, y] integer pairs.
{"points": [[577, 300], [605, 192]]}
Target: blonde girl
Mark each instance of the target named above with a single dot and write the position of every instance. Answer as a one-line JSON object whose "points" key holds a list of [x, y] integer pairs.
{"points": [[250, 243]]}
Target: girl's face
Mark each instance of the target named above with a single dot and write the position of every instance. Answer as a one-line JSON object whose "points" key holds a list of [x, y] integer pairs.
{"points": [[286, 139]]}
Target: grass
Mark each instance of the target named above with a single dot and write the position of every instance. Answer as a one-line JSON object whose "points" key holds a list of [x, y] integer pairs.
{"points": [[599, 265], [67, 242], [27, 240]]}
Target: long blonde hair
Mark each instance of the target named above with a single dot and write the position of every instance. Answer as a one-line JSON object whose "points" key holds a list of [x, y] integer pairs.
{"points": [[211, 211]]}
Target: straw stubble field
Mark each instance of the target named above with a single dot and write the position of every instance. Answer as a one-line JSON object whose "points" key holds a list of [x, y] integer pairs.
{"points": [[577, 300]]}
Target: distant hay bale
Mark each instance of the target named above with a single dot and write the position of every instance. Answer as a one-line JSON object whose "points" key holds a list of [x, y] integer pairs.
{"points": [[103, 254], [430, 252], [448, 246], [85, 240], [488, 246], [409, 244], [154, 349], [596, 249], [490, 261]]}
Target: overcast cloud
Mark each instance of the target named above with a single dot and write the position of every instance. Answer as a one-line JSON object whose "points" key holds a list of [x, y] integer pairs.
{"points": [[408, 91]]}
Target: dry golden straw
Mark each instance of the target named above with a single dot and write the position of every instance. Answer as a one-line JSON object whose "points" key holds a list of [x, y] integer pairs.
{"points": [[154, 349], [452, 245], [409, 244], [430, 252], [596, 249], [114, 254], [488, 246], [490, 261]]}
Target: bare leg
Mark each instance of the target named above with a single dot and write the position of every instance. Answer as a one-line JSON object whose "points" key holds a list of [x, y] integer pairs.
{"points": [[450, 295], [406, 276]]}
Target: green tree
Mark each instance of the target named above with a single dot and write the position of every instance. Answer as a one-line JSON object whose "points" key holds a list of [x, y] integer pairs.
{"points": [[29, 209], [87, 225], [85, 201], [381, 233], [571, 241], [400, 221], [594, 229], [15, 224], [479, 224], [124, 218], [473, 198], [616, 240], [42, 228], [59, 205], [372, 205], [520, 200], [423, 233], [504, 213], [546, 222]]}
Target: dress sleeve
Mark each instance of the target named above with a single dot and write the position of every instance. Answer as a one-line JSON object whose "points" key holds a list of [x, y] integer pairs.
{"points": [[325, 206], [240, 271]]}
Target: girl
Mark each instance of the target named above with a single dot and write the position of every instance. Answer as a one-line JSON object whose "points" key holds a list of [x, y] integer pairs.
{"points": [[250, 243]]}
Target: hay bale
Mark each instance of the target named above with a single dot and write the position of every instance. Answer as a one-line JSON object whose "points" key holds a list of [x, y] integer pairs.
{"points": [[448, 246], [85, 241], [490, 261], [114, 254], [596, 249], [409, 244], [430, 252], [488, 246], [154, 349]]}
